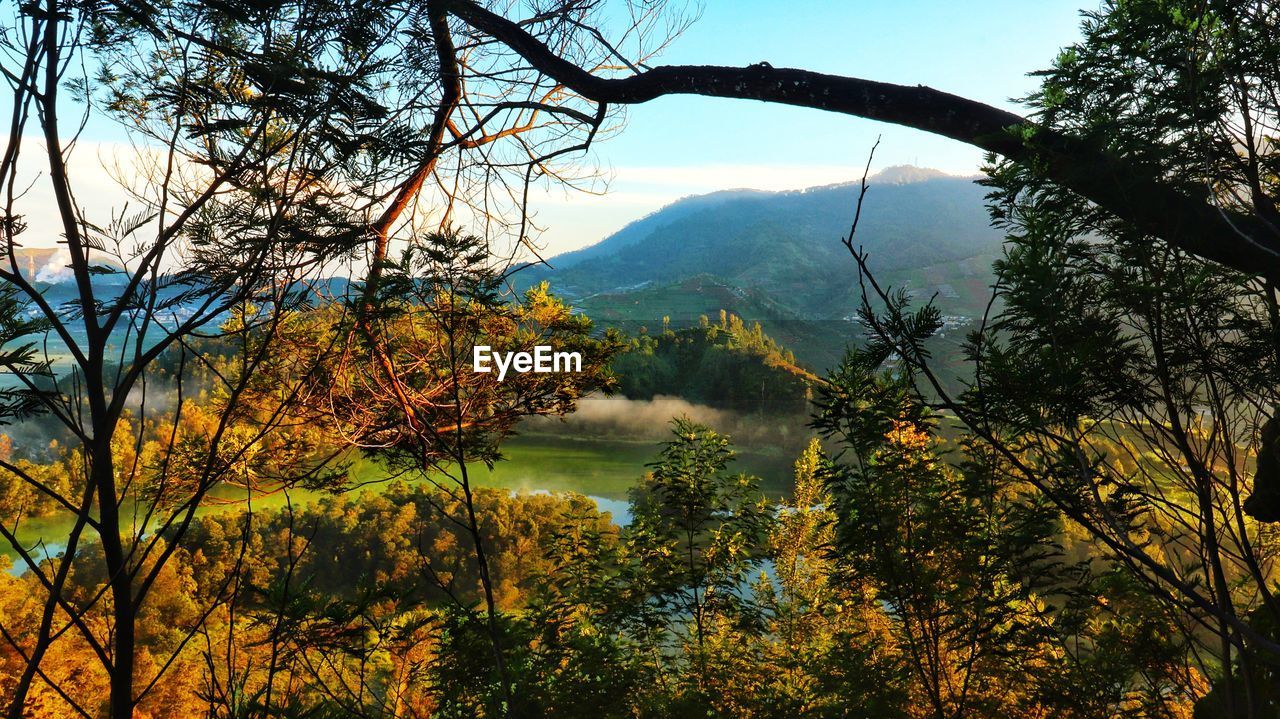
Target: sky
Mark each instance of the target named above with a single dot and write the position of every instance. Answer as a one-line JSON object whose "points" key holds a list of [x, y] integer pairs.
{"points": [[674, 147], [678, 146]]}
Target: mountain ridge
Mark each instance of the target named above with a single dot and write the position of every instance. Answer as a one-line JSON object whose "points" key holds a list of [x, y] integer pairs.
{"points": [[778, 258], [787, 243]]}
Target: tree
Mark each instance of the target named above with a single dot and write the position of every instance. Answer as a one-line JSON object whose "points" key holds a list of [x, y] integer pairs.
{"points": [[586, 661], [825, 638], [922, 540], [215, 230], [725, 365], [416, 402], [275, 142], [1154, 132], [1129, 381], [696, 532], [292, 136]]}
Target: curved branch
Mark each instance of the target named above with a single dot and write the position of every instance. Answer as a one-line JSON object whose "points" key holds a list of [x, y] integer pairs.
{"points": [[1135, 193], [407, 192]]}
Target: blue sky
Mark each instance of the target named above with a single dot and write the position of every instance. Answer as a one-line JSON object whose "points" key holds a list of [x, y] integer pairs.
{"points": [[678, 146], [981, 50]]}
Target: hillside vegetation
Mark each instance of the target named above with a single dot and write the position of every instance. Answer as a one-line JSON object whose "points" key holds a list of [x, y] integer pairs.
{"points": [[726, 364], [787, 244], [776, 258]]}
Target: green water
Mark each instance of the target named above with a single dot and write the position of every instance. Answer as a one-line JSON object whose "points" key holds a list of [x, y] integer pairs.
{"points": [[600, 468], [603, 468]]}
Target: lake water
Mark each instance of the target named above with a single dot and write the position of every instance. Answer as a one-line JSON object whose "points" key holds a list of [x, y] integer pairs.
{"points": [[602, 469]]}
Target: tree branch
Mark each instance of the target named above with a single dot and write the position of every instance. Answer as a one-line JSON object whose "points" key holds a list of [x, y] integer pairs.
{"points": [[1182, 216]]}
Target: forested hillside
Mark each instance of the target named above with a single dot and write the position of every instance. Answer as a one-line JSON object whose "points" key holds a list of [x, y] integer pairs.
{"points": [[726, 364], [920, 224], [279, 438], [776, 258]]}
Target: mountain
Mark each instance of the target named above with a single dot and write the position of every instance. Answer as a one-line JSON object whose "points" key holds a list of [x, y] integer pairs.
{"points": [[777, 257], [639, 230], [906, 174]]}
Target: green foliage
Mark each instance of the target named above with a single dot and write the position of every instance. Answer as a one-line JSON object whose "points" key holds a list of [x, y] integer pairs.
{"points": [[992, 606], [824, 638], [1137, 380], [725, 364], [710, 603], [1118, 383], [696, 530], [1080, 550], [28, 378]]}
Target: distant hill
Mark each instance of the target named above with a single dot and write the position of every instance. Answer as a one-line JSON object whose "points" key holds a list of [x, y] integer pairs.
{"points": [[777, 257], [639, 230], [787, 243], [721, 362]]}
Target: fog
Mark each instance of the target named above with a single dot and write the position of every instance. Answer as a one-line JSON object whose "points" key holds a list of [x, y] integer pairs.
{"points": [[650, 419]]}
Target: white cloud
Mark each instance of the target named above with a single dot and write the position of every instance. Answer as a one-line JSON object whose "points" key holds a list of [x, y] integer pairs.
{"points": [[103, 175]]}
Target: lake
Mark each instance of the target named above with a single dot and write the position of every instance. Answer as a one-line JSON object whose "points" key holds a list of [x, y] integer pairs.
{"points": [[603, 469]]}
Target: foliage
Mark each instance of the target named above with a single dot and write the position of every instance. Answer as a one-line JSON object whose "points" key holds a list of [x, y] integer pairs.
{"points": [[1079, 546], [710, 602], [407, 392], [1127, 383], [724, 364]]}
